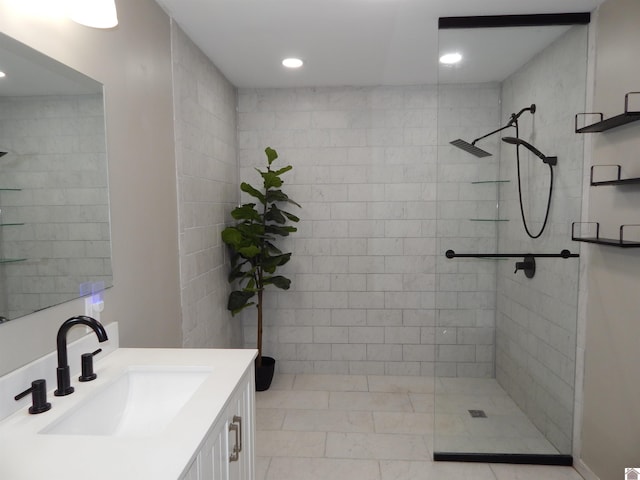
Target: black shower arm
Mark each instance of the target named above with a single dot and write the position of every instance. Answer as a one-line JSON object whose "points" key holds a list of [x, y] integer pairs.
{"points": [[494, 132], [513, 122]]}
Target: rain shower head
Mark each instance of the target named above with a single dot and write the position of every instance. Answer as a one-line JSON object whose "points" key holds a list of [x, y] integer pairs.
{"points": [[470, 148], [477, 151], [532, 149]]}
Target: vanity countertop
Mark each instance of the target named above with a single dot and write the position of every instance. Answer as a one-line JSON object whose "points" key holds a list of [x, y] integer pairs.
{"points": [[27, 454]]}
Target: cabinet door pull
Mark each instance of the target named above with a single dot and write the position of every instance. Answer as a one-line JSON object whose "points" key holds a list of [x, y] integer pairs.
{"points": [[238, 419], [236, 453]]}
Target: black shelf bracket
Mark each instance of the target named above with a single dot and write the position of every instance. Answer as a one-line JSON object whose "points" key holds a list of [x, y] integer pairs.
{"points": [[614, 181], [614, 242], [528, 264], [603, 125]]}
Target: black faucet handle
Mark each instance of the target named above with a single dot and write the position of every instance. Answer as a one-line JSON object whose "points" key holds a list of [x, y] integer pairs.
{"points": [[87, 366], [38, 393]]}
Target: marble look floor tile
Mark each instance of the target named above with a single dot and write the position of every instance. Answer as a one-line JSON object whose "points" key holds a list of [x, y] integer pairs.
{"points": [[507, 426], [478, 444], [377, 446], [269, 418], [422, 402], [403, 470], [366, 401], [403, 422], [292, 399], [484, 386], [400, 384], [322, 469], [534, 472], [277, 443], [282, 381], [462, 403], [262, 465], [449, 424], [328, 421], [335, 383]]}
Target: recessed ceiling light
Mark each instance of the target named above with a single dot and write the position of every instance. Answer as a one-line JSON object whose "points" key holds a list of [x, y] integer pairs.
{"points": [[2, 74], [450, 58], [292, 62]]}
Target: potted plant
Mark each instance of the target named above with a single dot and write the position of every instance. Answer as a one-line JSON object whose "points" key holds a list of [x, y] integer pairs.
{"points": [[255, 256]]}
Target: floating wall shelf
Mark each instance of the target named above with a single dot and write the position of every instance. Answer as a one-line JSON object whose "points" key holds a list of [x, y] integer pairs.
{"points": [[615, 181], [603, 125], [10, 189], [614, 242], [12, 260], [490, 181], [488, 219]]}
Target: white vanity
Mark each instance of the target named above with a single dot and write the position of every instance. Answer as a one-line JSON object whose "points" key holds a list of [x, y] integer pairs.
{"points": [[151, 414]]}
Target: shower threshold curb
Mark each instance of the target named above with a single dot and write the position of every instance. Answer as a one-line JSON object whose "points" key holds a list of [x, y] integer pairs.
{"points": [[513, 458]]}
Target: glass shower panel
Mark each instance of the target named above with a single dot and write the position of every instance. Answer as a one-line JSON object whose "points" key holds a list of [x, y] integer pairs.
{"points": [[506, 343]]}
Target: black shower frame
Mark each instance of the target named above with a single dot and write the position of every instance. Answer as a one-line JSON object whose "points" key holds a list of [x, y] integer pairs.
{"points": [[496, 21]]}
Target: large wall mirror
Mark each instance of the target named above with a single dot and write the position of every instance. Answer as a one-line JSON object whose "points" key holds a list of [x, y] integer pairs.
{"points": [[54, 199]]}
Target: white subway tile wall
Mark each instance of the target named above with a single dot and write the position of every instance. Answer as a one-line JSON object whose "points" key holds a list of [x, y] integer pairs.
{"points": [[365, 290], [205, 119]]}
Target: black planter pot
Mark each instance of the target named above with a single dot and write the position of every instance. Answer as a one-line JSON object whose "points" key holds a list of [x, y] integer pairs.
{"points": [[264, 374]]}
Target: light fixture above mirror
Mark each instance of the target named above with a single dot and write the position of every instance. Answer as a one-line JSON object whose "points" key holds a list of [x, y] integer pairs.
{"points": [[94, 13]]}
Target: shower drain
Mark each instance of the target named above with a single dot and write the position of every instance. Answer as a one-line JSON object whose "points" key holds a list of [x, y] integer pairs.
{"points": [[477, 413]]}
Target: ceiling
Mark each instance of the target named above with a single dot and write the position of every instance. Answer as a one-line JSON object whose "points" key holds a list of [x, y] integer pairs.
{"points": [[343, 42], [29, 72]]}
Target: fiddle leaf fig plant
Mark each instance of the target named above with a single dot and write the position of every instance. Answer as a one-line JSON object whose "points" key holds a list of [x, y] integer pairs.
{"points": [[255, 257]]}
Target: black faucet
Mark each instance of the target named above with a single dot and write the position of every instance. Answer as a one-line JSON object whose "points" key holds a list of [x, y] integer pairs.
{"points": [[62, 372]]}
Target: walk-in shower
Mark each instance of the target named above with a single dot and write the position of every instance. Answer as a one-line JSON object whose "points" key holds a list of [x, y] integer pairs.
{"points": [[506, 342]]}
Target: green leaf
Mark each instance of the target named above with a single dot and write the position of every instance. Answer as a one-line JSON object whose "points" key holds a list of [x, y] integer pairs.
{"points": [[278, 281], [271, 180], [277, 196], [246, 212], [275, 215], [245, 187], [283, 170], [231, 236], [290, 216], [271, 154], [250, 251], [282, 231], [238, 299]]}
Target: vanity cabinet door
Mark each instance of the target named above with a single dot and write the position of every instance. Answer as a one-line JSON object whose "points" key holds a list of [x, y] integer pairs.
{"points": [[227, 453], [241, 431]]}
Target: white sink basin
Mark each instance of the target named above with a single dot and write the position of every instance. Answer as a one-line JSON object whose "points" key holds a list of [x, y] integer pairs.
{"points": [[140, 402]]}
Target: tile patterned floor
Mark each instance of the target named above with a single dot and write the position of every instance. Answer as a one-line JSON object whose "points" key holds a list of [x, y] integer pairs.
{"points": [[339, 427]]}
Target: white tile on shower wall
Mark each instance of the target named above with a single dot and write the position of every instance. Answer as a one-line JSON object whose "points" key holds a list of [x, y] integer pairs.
{"points": [[366, 161]]}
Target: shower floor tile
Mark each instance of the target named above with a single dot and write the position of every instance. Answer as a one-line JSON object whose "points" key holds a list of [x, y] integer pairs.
{"points": [[382, 428]]}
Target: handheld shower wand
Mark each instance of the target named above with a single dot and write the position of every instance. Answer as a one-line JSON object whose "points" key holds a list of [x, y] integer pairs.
{"points": [[551, 161], [531, 148]]}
